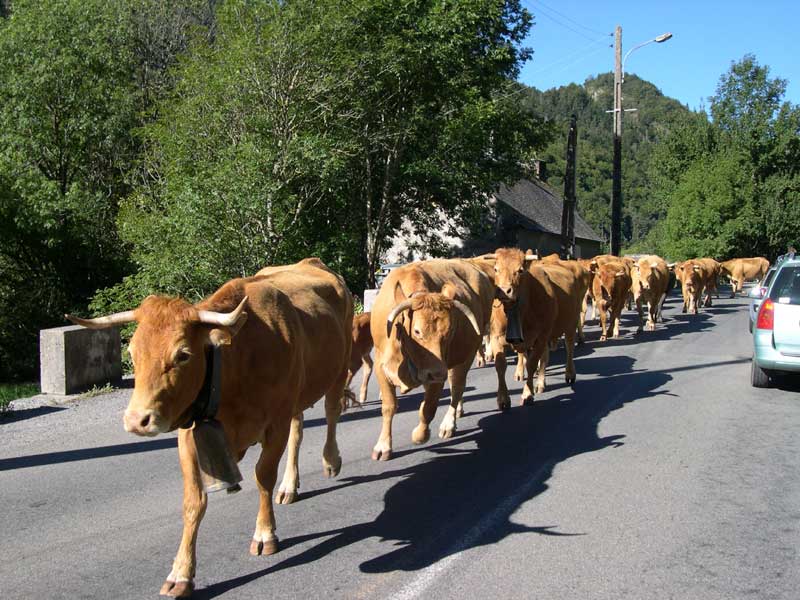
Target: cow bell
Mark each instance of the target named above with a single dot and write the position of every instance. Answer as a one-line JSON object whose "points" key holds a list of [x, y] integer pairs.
{"points": [[514, 328], [218, 469]]}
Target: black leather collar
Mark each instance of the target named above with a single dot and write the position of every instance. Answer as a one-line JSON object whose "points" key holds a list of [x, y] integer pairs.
{"points": [[206, 404]]}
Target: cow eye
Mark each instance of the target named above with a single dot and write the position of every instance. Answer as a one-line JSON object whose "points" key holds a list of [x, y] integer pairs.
{"points": [[182, 356], [496, 269], [417, 332], [521, 269]]}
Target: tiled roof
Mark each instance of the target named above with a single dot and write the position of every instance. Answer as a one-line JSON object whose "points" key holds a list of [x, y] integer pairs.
{"points": [[540, 208]]}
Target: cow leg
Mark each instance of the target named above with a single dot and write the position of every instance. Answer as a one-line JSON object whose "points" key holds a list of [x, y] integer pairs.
{"points": [[480, 358], [660, 311], [594, 310], [265, 541], [652, 315], [541, 370], [603, 325], [362, 394], [180, 581], [519, 371], [503, 399], [641, 315], [615, 314], [383, 449], [427, 410], [534, 356], [581, 321], [288, 490], [569, 368], [458, 381], [331, 459]]}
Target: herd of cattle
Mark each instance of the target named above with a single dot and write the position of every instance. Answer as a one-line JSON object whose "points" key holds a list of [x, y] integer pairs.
{"points": [[289, 337]]}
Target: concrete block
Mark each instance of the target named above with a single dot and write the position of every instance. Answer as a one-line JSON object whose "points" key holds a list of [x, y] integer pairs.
{"points": [[73, 358], [369, 299]]}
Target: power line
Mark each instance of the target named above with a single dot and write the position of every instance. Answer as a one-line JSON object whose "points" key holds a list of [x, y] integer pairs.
{"points": [[580, 51], [541, 11], [569, 64], [550, 8]]}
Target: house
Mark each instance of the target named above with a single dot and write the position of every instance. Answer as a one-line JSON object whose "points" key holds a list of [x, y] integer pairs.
{"points": [[526, 215]]}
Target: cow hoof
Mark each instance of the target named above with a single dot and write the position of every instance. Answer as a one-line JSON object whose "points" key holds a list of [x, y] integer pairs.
{"points": [[639, 331], [331, 469], [259, 548], [420, 435], [180, 589], [519, 376], [581, 341], [381, 455], [603, 338], [570, 380], [504, 405], [480, 363], [526, 401], [539, 389], [283, 497], [446, 432]]}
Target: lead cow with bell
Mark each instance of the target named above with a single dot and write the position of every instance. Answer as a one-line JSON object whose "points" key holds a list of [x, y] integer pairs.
{"points": [[285, 339]]}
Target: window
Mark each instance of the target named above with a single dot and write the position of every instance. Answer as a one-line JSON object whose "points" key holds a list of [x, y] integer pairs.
{"points": [[786, 289]]}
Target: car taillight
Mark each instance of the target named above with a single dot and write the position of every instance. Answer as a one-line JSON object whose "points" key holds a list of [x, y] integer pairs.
{"points": [[766, 315]]}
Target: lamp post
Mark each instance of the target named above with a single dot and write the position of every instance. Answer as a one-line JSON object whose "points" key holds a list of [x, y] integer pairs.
{"points": [[616, 182]]}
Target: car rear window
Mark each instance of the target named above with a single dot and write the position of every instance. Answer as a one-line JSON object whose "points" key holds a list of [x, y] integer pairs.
{"points": [[768, 278], [786, 289]]}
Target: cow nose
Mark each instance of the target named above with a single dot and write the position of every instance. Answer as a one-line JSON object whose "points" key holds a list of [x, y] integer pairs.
{"points": [[138, 422], [509, 292]]}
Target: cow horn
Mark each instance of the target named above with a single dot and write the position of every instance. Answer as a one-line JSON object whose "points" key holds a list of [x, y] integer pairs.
{"points": [[404, 305], [119, 318], [531, 257], [469, 314], [491, 256], [696, 267], [210, 317]]}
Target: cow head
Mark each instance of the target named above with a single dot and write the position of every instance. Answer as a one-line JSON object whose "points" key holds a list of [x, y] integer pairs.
{"points": [[510, 265], [610, 276], [424, 324], [643, 274], [169, 358]]}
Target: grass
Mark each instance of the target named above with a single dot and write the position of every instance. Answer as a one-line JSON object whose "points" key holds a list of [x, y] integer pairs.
{"points": [[14, 391], [96, 391]]}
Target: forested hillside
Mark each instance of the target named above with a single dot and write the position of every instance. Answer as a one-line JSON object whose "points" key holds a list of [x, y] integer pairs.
{"points": [[655, 116]]}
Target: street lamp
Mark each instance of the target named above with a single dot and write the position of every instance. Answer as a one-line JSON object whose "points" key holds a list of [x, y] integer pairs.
{"points": [[616, 182]]}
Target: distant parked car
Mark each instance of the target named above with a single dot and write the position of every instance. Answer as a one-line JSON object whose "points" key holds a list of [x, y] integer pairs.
{"points": [[776, 334]]}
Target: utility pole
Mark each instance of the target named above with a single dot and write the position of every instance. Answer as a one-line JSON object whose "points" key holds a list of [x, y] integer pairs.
{"points": [[568, 213], [616, 182]]}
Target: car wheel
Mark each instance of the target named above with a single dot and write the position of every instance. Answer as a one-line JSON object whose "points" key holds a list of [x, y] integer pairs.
{"points": [[758, 377]]}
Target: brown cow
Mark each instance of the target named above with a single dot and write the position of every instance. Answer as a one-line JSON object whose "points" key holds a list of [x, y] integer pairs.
{"points": [[288, 349], [710, 273], [427, 324], [650, 279], [359, 355], [744, 269], [545, 300], [584, 277], [611, 285], [690, 274]]}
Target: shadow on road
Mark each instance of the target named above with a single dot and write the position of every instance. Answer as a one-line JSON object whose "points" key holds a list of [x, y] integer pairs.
{"points": [[52, 458], [464, 496]]}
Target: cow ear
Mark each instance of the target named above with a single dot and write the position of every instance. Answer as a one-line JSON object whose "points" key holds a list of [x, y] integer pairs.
{"points": [[621, 273], [220, 337], [449, 290], [399, 295], [223, 336], [593, 266]]}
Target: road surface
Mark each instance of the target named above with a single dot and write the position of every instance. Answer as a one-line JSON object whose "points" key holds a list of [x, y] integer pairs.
{"points": [[663, 474]]}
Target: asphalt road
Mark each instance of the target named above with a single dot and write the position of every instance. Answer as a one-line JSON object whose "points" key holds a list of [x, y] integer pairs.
{"points": [[662, 475]]}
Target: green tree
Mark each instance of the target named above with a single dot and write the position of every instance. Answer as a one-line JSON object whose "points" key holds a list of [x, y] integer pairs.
{"points": [[66, 109]]}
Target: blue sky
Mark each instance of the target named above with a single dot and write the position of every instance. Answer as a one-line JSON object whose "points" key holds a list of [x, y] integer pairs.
{"points": [[569, 42]]}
